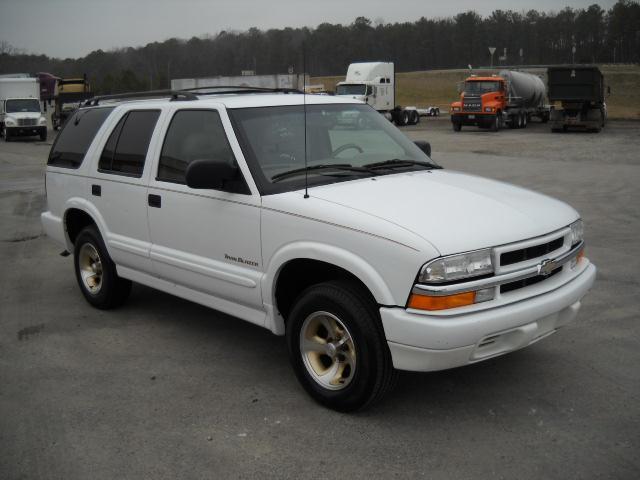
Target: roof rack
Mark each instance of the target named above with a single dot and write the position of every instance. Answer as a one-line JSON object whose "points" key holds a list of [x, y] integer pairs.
{"points": [[175, 95], [237, 89]]}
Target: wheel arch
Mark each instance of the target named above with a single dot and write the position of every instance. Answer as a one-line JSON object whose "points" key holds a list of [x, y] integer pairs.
{"points": [[79, 213], [309, 263]]}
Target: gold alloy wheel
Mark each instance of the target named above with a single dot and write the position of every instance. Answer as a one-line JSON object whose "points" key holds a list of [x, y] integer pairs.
{"points": [[90, 267], [327, 350]]}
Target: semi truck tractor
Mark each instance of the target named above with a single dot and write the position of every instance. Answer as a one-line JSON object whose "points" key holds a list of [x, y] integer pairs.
{"points": [[510, 98], [375, 84], [69, 94], [578, 96], [20, 108]]}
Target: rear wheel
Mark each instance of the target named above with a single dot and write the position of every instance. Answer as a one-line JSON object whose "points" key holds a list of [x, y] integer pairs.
{"points": [[457, 126], [337, 346], [96, 273], [415, 118], [525, 120]]}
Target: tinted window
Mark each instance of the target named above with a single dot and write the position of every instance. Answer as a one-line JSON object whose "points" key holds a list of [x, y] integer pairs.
{"points": [[192, 135], [126, 149], [77, 134], [106, 159]]}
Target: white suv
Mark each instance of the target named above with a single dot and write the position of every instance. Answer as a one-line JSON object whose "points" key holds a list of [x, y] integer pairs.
{"points": [[316, 218]]}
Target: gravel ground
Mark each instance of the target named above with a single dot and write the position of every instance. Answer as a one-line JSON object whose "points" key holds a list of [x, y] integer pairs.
{"points": [[163, 388]]}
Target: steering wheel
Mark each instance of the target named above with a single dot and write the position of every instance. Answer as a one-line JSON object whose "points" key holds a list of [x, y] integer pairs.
{"points": [[344, 147]]}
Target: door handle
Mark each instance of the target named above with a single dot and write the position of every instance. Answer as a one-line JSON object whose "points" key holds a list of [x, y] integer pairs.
{"points": [[96, 190], [155, 200]]}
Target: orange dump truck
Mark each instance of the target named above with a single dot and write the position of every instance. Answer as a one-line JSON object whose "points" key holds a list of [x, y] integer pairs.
{"points": [[509, 99]]}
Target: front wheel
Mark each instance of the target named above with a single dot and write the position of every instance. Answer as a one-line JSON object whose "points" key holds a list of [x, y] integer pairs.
{"points": [[96, 273], [457, 126], [495, 125], [337, 347], [43, 136]]}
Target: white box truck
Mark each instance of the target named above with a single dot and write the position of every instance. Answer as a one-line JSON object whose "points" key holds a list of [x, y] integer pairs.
{"points": [[375, 84], [20, 108]]}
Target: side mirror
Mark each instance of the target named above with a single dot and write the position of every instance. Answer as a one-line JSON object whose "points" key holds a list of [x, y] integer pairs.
{"points": [[209, 174], [424, 146]]}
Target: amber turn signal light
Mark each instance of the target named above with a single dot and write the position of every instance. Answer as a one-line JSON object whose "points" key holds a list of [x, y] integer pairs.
{"points": [[426, 302]]}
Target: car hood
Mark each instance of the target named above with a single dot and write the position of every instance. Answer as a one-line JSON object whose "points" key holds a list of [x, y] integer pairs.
{"points": [[16, 115], [454, 212]]}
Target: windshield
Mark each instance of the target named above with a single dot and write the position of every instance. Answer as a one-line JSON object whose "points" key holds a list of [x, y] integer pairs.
{"points": [[478, 87], [356, 89], [351, 137], [23, 105]]}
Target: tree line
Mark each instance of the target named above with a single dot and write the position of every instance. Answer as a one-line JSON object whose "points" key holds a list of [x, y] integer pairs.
{"points": [[588, 35]]}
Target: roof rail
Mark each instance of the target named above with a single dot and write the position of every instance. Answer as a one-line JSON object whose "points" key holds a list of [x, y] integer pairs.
{"points": [[173, 94], [236, 89]]}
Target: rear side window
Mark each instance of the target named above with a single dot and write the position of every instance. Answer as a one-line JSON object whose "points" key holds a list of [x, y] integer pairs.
{"points": [[126, 149], [77, 134], [192, 135]]}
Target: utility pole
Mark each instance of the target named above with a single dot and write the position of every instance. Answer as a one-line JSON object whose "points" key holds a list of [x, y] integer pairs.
{"points": [[492, 50]]}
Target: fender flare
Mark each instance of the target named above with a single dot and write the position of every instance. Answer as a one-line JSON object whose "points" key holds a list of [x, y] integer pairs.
{"points": [[77, 203], [347, 260]]}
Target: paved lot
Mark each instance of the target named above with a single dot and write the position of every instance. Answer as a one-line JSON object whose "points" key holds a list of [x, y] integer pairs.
{"points": [[163, 388]]}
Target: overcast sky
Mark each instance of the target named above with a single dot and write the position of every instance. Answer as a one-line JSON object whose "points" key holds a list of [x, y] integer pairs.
{"points": [[73, 28]]}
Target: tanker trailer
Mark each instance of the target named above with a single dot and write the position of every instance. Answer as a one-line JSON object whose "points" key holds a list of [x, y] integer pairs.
{"points": [[525, 98], [578, 96]]}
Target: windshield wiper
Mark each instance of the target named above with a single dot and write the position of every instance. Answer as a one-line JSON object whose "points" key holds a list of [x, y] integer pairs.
{"points": [[333, 166], [397, 163]]}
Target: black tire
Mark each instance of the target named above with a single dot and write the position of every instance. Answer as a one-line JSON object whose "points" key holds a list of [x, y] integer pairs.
{"points": [[7, 137], [404, 118], [414, 118], [436, 112], [373, 374], [495, 125], [456, 126], [43, 136], [113, 290], [545, 117], [525, 120]]}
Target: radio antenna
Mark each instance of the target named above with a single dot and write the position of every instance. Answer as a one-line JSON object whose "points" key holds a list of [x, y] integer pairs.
{"points": [[304, 111]]}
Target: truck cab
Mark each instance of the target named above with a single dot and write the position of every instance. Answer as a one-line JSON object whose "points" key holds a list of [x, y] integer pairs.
{"points": [[22, 117], [370, 82], [481, 103]]}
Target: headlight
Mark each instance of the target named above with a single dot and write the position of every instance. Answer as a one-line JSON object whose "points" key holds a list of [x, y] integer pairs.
{"points": [[43, 121], [457, 267], [577, 232], [456, 109], [488, 109], [9, 121]]}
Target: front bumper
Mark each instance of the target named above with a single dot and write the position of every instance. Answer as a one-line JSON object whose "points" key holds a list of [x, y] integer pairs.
{"points": [[420, 342], [476, 118], [25, 131]]}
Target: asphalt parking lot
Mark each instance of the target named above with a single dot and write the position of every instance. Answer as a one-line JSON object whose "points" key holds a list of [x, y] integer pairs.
{"points": [[163, 388]]}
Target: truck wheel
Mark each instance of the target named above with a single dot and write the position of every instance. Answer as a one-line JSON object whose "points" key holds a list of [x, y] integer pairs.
{"points": [[96, 272], [7, 136], [337, 347], [436, 112], [525, 120], [495, 125], [545, 117], [403, 118], [456, 126], [414, 119], [43, 136]]}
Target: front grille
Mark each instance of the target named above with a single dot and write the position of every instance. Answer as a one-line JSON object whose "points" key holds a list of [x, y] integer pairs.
{"points": [[472, 104], [515, 256], [27, 122], [510, 287]]}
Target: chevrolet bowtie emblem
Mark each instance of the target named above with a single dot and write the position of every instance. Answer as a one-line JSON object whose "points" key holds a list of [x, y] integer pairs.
{"points": [[546, 267]]}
